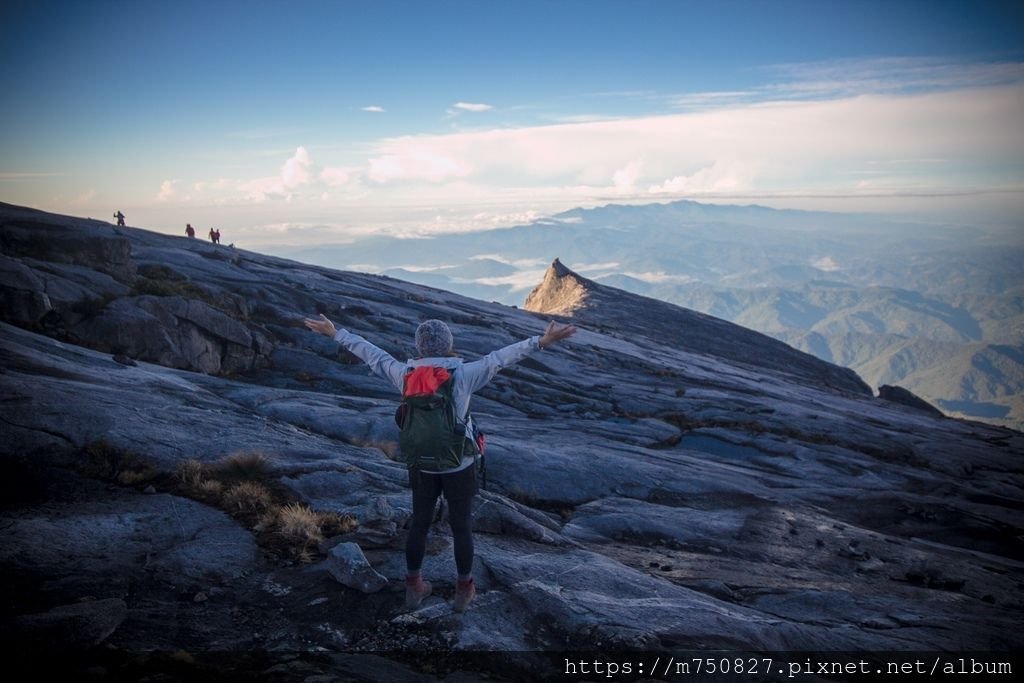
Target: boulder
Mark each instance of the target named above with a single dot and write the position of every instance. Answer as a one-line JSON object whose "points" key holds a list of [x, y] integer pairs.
{"points": [[172, 331], [347, 564]]}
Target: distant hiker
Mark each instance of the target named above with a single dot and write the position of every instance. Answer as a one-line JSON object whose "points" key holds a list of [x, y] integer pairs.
{"points": [[190, 231], [120, 219], [216, 236], [438, 378], [213, 237]]}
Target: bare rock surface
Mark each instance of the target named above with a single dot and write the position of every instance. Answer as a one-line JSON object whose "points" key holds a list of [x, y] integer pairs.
{"points": [[662, 481], [566, 293]]}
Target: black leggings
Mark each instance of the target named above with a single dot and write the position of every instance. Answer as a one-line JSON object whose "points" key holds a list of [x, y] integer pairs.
{"points": [[459, 489]]}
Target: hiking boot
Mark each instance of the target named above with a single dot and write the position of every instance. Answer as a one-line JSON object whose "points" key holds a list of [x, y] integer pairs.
{"points": [[415, 590], [464, 593]]}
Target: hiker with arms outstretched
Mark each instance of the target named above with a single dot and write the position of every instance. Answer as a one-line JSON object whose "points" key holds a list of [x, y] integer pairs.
{"points": [[445, 464]]}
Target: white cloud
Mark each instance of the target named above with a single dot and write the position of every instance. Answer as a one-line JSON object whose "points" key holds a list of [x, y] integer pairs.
{"points": [[488, 219], [767, 148], [167, 190], [517, 282], [18, 177], [846, 77], [333, 176], [374, 109], [218, 185], [655, 277], [425, 269], [718, 177], [85, 197], [518, 263], [590, 267], [707, 100], [472, 106], [781, 153], [625, 178], [297, 170], [416, 163], [261, 189], [825, 263]]}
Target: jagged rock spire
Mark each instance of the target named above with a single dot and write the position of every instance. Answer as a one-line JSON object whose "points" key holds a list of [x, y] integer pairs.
{"points": [[561, 292]]}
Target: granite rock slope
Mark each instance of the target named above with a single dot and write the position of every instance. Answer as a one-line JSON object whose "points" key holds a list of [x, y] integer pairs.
{"points": [[662, 481]]}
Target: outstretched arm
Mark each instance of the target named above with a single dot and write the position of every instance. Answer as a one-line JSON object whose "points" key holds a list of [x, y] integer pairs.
{"points": [[478, 373], [380, 361]]}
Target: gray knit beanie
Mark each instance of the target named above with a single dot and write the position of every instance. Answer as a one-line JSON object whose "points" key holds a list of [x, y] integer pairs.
{"points": [[433, 339]]}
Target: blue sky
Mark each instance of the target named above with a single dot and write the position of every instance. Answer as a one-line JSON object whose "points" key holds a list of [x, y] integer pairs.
{"points": [[285, 121]]}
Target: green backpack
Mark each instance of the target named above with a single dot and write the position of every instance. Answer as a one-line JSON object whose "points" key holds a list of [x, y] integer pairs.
{"points": [[430, 436]]}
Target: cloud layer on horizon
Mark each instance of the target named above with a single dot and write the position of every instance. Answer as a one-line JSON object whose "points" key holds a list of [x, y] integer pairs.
{"points": [[883, 127], [861, 144]]}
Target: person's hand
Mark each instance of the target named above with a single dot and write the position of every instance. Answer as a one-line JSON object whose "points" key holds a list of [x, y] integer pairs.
{"points": [[321, 326], [556, 333]]}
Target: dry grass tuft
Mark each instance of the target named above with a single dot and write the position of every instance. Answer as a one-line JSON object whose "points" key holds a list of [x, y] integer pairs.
{"points": [[130, 477], [211, 487], [103, 460], [233, 484], [336, 523], [299, 523], [248, 496], [252, 465], [191, 472], [267, 520]]}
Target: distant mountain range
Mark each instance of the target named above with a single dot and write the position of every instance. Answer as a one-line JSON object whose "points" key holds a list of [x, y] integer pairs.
{"points": [[936, 308]]}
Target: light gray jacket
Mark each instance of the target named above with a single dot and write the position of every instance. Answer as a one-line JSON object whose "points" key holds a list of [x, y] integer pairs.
{"points": [[470, 378]]}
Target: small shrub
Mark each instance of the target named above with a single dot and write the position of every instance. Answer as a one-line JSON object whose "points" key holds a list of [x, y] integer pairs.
{"points": [[105, 461], [182, 288], [267, 520], [336, 523], [250, 465], [247, 496], [303, 555], [299, 523], [211, 487], [159, 271], [131, 477], [191, 473]]}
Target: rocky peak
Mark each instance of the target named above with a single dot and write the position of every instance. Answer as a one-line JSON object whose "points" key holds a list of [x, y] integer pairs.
{"points": [[563, 292]]}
